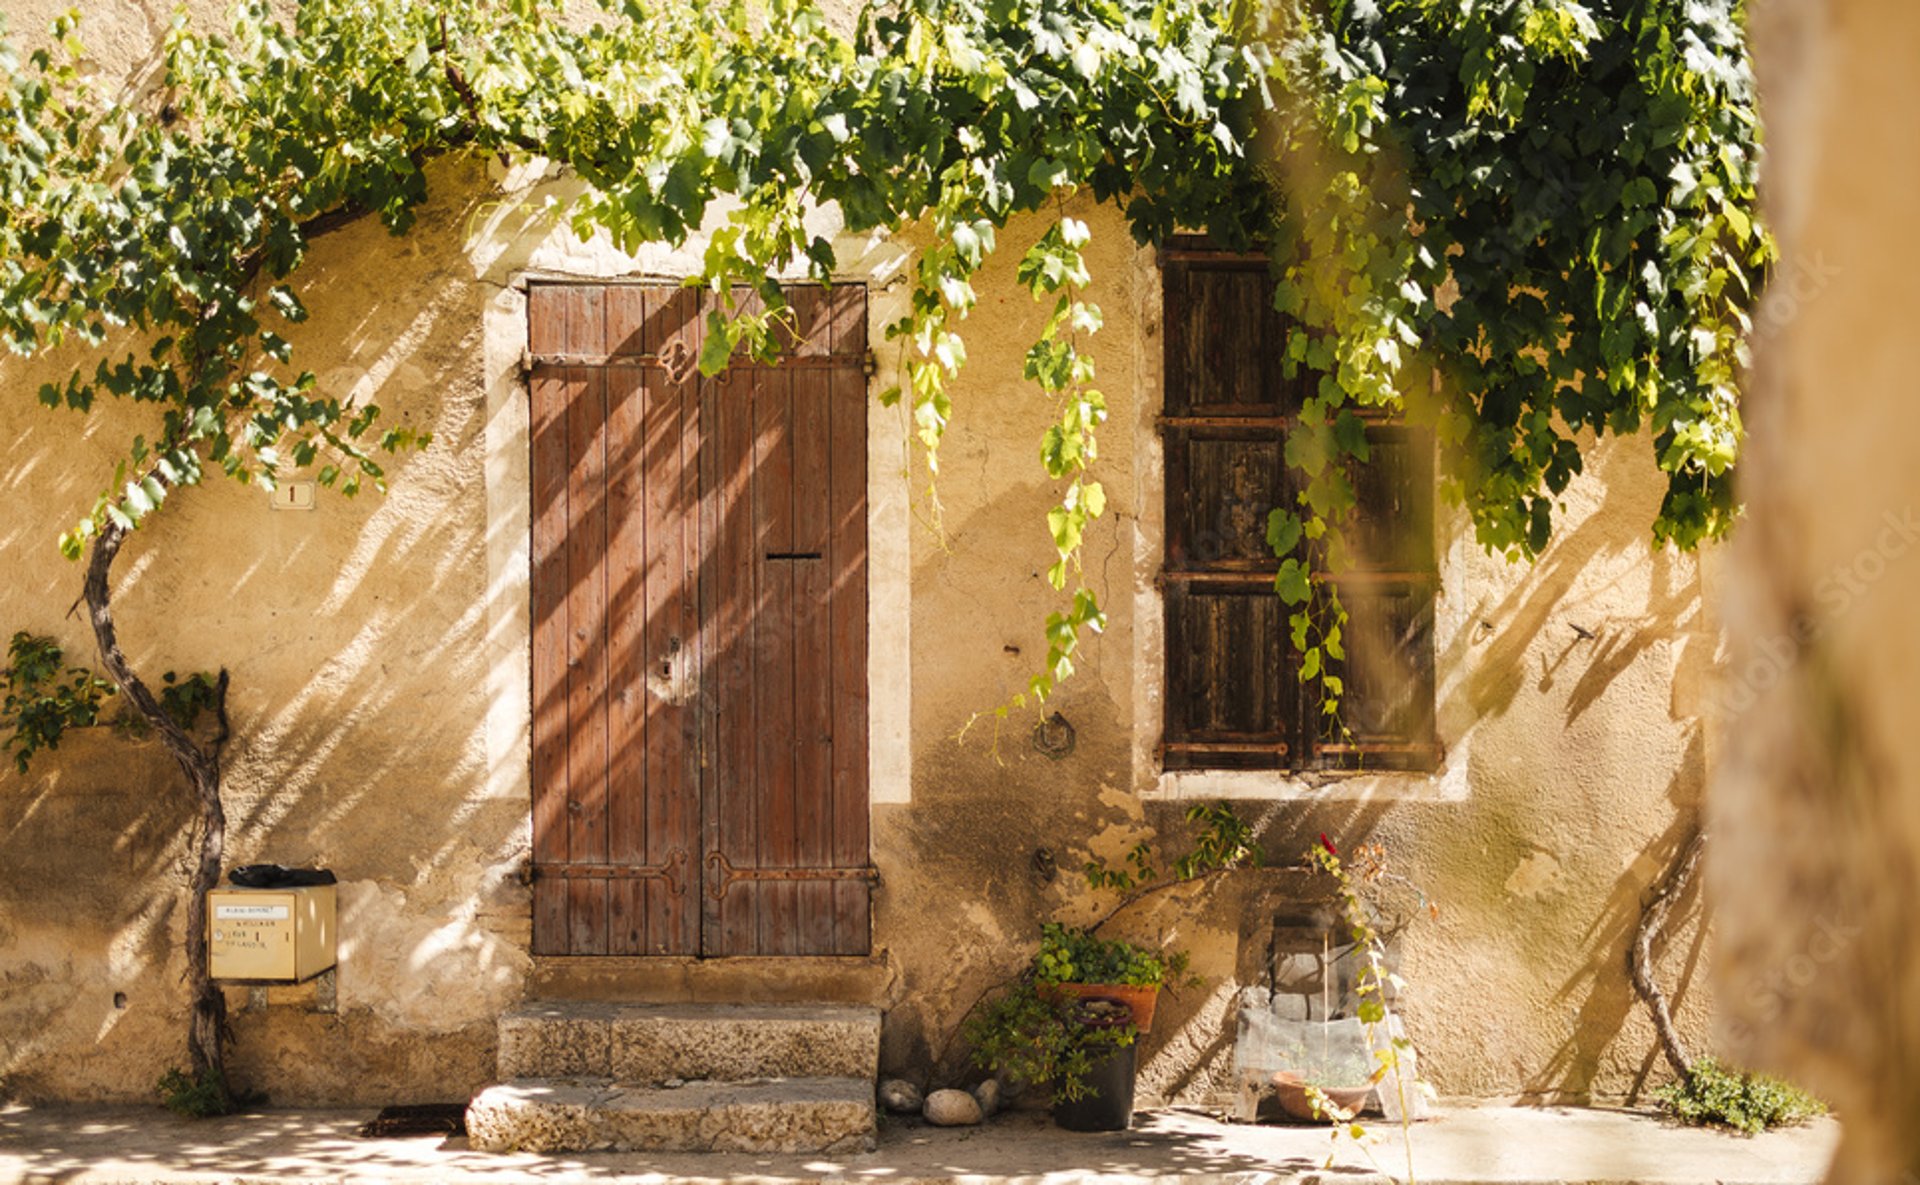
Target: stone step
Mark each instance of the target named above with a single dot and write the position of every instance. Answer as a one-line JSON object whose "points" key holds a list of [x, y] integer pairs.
{"points": [[647, 1044], [588, 1115]]}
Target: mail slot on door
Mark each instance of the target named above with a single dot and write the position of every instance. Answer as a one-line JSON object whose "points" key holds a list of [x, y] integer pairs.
{"points": [[277, 935]]}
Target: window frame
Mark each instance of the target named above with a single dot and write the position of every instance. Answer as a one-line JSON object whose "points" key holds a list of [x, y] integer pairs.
{"points": [[1295, 748]]}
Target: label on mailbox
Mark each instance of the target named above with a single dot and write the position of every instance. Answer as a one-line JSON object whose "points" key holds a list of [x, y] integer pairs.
{"points": [[266, 912]]}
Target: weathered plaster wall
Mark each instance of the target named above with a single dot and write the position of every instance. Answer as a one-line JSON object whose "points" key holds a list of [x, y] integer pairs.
{"points": [[379, 653], [355, 636], [1816, 811], [1573, 768]]}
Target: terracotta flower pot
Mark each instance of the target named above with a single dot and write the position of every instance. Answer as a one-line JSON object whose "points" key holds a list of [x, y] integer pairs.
{"points": [[1291, 1090], [1139, 999]]}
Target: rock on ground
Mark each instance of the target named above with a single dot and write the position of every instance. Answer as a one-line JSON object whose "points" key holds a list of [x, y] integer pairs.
{"points": [[952, 1108], [900, 1096], [987, 1094]]}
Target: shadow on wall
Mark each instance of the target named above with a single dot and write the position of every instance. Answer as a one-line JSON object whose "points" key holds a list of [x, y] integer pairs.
{"points": [[1600, 994], [100, 820], [1560, 589], [356, 637]]}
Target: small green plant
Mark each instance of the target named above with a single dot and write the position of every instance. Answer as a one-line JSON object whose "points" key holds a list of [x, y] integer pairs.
{"points": [[42, 700], [1375, 1011], [1225, 841], [1033, 1037], [1071, 955], [184, 699], [204, 1095], [1719, 1096]]}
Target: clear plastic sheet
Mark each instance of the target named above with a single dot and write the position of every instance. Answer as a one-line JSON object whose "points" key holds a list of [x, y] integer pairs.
{"points": [[1325, 1053]]}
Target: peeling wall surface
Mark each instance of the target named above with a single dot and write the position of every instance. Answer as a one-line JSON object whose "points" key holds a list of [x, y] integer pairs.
{"points": [[379, 650]]}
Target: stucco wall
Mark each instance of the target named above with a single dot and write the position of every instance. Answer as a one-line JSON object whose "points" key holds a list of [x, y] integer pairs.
{"points": [[355, 636], [1573, 765], [379, 650]]}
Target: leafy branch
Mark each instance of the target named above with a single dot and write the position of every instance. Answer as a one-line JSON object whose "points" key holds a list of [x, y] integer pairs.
{"points": [[43, 699], [1223, 843]]}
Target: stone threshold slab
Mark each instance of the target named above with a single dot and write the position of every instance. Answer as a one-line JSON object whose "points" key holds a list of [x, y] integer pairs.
{"points": [[784, 1115], [641, 1044]]}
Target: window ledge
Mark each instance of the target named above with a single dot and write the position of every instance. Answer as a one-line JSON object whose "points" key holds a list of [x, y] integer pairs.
{"points": [[1446, 784]]}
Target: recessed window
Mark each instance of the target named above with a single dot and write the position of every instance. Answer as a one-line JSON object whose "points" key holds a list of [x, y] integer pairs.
{"points": [[1233, 696]]}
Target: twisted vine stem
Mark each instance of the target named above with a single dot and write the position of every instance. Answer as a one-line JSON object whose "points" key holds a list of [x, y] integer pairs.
{"points": [[1659, 903]]}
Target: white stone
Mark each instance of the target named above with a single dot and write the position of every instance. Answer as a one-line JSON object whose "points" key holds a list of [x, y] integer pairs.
{"points": [[900, 1096], [987, 1094], [952, 1108]]}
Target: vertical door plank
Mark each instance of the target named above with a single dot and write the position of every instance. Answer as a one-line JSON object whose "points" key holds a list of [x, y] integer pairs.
{"points": [[550, 392], [715, 656], [587, 627], [732, 923], [812, 623], [775, 740], [632, 472], [587, 664], [847, 478], [673, 632], [629, 329]]}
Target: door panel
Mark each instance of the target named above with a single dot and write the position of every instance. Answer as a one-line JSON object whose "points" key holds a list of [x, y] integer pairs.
{"points": [[699, 601], [551, 392], [809, 595], [846, 613], [732, 922]]}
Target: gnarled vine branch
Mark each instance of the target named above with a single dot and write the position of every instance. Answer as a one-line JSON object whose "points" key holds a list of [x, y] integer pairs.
{"points": [[1653, 919], [206, 1034]]}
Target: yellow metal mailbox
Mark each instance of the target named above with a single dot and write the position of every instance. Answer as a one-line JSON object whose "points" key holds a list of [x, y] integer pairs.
{"points": [[278, 935]]}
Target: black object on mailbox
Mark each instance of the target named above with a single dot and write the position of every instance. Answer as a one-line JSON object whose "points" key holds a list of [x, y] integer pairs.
{"points": [[277, 876]]}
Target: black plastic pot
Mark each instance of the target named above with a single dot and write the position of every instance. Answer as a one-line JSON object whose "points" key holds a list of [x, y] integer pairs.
{"points": [[1108, 1104]]}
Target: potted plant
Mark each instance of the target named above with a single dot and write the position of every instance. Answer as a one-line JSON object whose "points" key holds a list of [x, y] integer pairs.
{"points": [[1075, 963], [1082, 1047]]}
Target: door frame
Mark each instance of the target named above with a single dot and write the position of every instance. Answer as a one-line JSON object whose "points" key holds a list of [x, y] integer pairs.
{"points": [[505, 441]]}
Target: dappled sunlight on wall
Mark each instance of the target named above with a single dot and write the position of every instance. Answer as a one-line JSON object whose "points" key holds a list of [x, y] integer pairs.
{"points": [[355, 636]]}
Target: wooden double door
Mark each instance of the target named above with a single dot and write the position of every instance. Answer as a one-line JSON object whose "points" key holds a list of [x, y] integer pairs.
{"points": [[699, 601]]}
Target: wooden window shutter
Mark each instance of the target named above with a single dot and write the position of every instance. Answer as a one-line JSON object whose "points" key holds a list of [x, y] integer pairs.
{"points": [[1233, 700]]}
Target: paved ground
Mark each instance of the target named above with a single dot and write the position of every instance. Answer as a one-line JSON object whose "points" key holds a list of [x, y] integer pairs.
{"points": [[1478, 1145]]}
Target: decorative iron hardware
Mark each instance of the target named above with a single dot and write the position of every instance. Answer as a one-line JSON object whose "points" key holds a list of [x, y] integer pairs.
{"points": [[724, 874], [669, 870], [673, 363], [1055, 736]]}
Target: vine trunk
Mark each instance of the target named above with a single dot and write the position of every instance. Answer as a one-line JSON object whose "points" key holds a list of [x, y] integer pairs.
{"points": [[207, 1018], [1653, 919]]}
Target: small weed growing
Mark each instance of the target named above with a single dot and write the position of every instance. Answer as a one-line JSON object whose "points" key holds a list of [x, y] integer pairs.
{"points": [[197, 1096], [1750, 1103]]}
